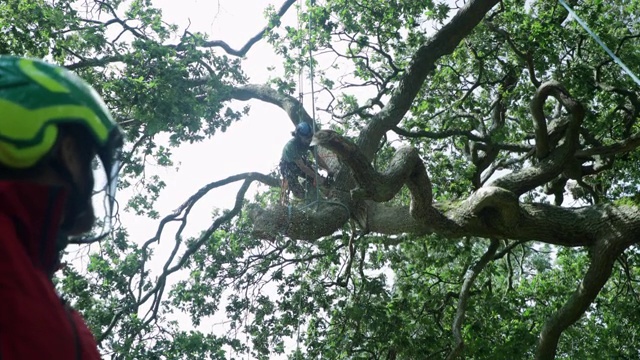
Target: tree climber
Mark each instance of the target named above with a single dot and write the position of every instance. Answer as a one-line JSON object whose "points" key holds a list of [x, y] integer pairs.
{"points": [[294, 163], [52, 126]]}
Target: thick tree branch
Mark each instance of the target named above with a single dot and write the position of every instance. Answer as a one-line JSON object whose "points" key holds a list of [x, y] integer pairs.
{"points": [[571, 227], [629, 144], [288, 103], [603, 257], [422, 63], [299, 222], [552, 88], [490, 212], [405, 167], [552, 160]]}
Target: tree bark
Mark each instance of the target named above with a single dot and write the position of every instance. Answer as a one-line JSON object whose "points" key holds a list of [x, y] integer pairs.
{"points": [[603, 256]]}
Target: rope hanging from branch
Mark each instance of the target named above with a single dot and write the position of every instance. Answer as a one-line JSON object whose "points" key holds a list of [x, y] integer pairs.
{"points": [[310, 60]]}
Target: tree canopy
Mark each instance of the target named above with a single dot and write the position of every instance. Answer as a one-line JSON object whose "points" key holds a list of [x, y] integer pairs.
{"points": [[485, 201]]}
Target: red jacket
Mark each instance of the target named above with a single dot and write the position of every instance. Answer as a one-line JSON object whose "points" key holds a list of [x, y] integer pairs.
{"points": [[34, 322]]}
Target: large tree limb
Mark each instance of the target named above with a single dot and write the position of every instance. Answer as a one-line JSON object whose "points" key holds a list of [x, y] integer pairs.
{"points": [[422, 63], [629, 144], [490, 212], [405, 167], [552, 158], [298, 222], [555, 89], [288, 103], [571, 227], [603, 257]]}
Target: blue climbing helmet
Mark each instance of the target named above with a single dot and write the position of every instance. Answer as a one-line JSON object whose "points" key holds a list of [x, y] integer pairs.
{"points": [[303, 129]]}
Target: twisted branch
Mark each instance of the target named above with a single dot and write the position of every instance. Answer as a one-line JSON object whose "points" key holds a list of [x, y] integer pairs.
{"points": [[552, 160], [405, 167]]}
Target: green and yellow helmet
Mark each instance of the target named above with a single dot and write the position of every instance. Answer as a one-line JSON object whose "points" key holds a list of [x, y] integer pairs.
{"points": [[36, 98]]}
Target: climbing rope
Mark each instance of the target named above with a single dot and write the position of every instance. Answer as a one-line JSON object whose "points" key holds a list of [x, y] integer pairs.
{"points": [[313, 129], [313, 103], [317, 200], [602, 44]]}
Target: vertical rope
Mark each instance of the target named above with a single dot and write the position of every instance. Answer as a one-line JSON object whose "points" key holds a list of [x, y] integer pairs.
{"points": [[299, 316], [313, 98], [301, 78], [301, 71], [301, 97]]}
